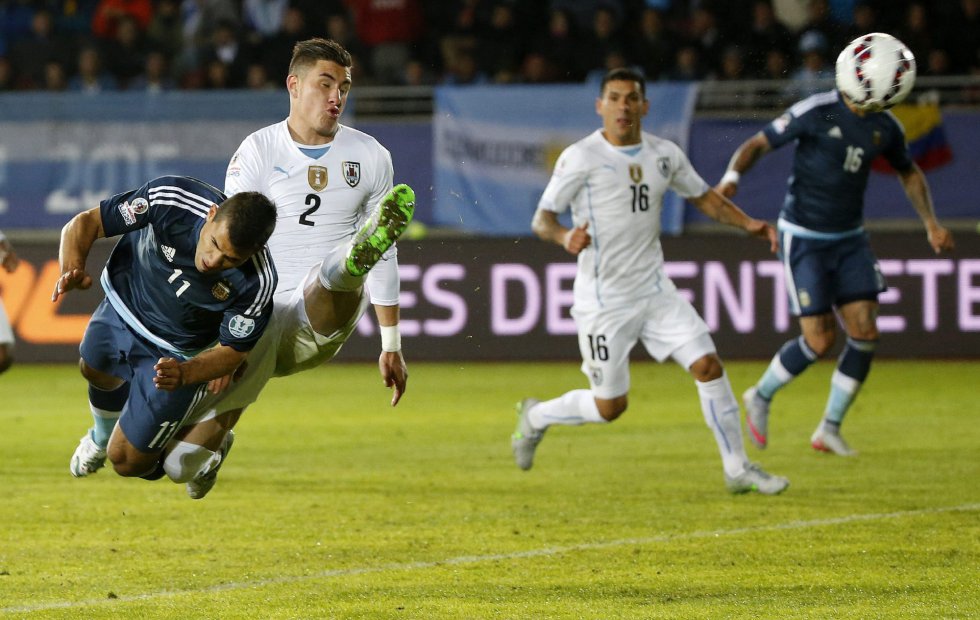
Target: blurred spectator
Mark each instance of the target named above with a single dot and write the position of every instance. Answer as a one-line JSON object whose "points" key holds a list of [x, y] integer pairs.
{"points": [[705, 33], [156, 76], [73, 18], [816, 74], [216, 75], [125, 53], [6, 75], [275, 51], [555, 52], [256, 78], [166, 30], [264, 17], [226, 49], [464, 71], [687, 65], [499, 51], [417, 74], [865, 21], [765, 33], [15, 22], [732, 65], [651, 44], [55, 79], [339, 28], [32, 53], [199, 19], [962, 38], [603, 37], [916, 33], [91, 78], [614, 59], [109, 13], [389, 29], [820, 20]]}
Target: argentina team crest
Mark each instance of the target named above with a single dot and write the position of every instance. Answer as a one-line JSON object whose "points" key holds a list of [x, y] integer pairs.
{"points": [[317, 177], [352, 172], [221, 290]]}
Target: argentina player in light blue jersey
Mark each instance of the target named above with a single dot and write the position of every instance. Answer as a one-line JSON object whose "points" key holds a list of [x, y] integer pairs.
{"points": [[828, 261], [188, 290]]}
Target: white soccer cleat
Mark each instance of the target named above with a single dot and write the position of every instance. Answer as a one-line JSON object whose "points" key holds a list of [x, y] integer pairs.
{"points": [[525, 439], [824, 440], [754, 478], [202, 484], [88, 458], [756, 417]]}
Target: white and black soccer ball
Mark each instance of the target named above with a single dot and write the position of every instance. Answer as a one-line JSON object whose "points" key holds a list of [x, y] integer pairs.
{"points": [[875, 71]]}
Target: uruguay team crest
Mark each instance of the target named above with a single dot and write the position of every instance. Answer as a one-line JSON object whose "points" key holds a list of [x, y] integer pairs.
{"points": [[317, 177], [663, 165], [352, 172], [241, 326], [636, 173]]}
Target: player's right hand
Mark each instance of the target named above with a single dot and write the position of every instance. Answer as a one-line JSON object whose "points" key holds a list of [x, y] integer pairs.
{"points": [[577, 239], [71, 279]]}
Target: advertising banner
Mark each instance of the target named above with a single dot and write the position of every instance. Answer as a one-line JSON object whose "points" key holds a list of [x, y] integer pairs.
{"points": [[495, 148], [501, 299]]}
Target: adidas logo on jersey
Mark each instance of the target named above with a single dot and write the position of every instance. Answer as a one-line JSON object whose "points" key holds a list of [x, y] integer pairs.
{"points": [[835, 132], [168, 252]]}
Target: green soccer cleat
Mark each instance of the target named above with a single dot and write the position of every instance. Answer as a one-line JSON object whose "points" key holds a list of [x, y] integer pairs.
{"points": [[383, 228], [525, 439], [202, 485], [754, 478]]}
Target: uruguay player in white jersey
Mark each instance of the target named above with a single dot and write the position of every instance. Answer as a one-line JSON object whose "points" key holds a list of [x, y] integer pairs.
{"points": [[9, 262], [338, 219], [614, 181]]}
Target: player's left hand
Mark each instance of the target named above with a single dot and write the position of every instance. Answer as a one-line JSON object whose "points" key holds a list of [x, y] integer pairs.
{"points": [[169, 375], [764, 230], [940, 239], [394, 373]]}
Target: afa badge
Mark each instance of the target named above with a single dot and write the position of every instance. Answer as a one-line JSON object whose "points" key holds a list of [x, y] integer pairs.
{"points": [[352, 172], [240, 326], [221, 290], [317, 177]]}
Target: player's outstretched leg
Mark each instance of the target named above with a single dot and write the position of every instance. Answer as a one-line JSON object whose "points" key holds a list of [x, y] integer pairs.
{"points": [[756, 417], [754, 478], [88, 457], [827, 438], [202, 485], [389, 220], [526, 438]]}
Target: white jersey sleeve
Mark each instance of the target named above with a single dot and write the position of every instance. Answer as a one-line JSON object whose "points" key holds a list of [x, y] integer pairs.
{"points": [[685, 180], [383, 282], [570, 174]]}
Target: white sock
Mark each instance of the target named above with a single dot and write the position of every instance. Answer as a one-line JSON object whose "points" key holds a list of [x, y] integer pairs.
{"points": [[333, 272], [571, 409], [721, 412], [186, 461]]}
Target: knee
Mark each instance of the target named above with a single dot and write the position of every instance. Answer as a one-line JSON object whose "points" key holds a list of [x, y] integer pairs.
{"points": [[129, 468], [707, 368], [820, 343], [99, 379], [610, 409]]}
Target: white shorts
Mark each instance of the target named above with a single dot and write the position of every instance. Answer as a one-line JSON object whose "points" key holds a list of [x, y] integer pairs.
{"points": [[287, 346], [666, 324], [6, 332]]}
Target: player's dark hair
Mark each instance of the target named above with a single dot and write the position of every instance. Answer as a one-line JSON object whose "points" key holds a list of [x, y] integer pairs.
{"points": [[307, 53], [624, 74], [251, 218]]}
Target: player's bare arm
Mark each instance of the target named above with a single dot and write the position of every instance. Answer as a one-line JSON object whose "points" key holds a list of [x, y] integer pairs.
{"points": [[391, 364], [77, 238], [214, 363], [719, 208], [547, 227], [743, 159], [917, 189]]}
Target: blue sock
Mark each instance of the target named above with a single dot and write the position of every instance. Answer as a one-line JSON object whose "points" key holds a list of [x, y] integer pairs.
{"points": [[853, 367], [792, 359], [106, 407]]}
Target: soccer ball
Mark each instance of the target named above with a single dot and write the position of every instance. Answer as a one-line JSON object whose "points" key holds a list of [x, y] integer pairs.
{"points": [[875, 71]]}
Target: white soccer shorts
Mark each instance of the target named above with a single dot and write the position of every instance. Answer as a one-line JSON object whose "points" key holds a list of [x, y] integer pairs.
{"points": [[6, 331]]}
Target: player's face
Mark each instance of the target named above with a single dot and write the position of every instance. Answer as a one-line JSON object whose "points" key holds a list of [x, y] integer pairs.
{"points": [[317, 98], [622, 108], [214, 249]]}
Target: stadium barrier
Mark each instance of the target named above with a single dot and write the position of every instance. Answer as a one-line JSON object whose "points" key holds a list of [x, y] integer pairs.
{"points": [[500, 299]]}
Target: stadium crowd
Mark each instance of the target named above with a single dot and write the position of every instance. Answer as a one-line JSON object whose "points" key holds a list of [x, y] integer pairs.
{"points": [[102, 45]]}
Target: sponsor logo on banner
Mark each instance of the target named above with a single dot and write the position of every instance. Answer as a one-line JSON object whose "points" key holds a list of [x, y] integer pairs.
{"points": [[352, 172], [317, 177], [221, 290], [240, 326]]}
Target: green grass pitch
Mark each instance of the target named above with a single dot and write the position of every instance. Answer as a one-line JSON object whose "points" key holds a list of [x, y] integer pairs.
{"points": [[335, 505]]}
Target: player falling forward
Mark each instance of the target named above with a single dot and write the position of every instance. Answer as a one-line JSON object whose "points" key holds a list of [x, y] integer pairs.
{"points": [[614, 180], [823, 246]]}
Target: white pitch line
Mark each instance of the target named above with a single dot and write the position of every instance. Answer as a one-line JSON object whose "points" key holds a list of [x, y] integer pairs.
{"points": [[476, 559]]}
